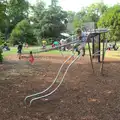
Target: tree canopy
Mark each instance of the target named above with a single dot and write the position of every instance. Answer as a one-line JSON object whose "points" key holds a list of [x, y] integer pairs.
{"points": [[20, 21], [91, 13], [111, 20], [3, 16], [22, 33], [48, 22]]}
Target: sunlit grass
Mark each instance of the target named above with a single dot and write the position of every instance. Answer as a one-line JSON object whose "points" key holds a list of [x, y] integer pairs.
{"points": [[110, 54]]}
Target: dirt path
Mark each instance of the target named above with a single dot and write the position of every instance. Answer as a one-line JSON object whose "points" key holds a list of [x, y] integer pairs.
{"points": [[82, 96], [54, 58]]}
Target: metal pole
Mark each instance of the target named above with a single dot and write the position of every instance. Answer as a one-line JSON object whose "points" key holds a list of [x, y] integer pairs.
{"points": [[90, 56]]}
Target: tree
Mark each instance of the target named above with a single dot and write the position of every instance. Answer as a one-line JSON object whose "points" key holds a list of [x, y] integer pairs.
{"points": [[1, 38], [70, 16], [1, 42], [1, 56], [22, 33], [111, 20], [54, 21], [2, 11], [16, 11], [3, 16], [94, 11], [38, 13], [49, 22], [54, 3], [91, 13]]}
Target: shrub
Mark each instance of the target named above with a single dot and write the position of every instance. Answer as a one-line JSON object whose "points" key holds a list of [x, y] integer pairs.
{"points": [[1, 56]]}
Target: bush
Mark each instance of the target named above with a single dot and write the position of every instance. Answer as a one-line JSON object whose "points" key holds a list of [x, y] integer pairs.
{"points": [[1, 56], [1, 42]]}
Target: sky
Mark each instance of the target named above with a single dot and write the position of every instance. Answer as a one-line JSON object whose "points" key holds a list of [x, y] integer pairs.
{"points": [[76, 5]]}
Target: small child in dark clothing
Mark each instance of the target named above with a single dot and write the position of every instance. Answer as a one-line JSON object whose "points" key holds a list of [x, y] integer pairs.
{"points": [[19, 50]]}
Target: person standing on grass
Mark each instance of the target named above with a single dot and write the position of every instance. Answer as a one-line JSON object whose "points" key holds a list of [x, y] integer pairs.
{"points": [[20, 46]]}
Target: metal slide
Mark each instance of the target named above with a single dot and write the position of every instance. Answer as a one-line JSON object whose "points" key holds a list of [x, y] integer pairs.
{"points": [[39, 93], [50, 93]]}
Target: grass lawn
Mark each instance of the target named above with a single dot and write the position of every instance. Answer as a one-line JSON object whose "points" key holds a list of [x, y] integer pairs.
{"points": [[34, 49], [13, 50], [111, 54]]}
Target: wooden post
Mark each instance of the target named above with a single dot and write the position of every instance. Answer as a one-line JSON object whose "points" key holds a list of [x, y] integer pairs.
{"points": [[90, 56], [103, 55], [99, 49]]}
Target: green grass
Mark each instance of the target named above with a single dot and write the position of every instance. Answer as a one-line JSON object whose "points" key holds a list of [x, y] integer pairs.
{"points": [[34, 49], [13, 50], [110, 54]]}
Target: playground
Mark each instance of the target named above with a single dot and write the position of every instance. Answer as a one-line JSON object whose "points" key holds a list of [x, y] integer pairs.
{"points": [[58, 63], [82, 96], [62, 86]]}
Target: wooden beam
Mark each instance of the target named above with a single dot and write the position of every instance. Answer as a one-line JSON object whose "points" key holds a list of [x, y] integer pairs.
{"points": [[90, 56], [103, 55]]}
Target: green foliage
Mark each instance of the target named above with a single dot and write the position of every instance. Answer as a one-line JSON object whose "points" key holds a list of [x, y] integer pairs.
{"points": [[15, 23], [1, 56], [48, 22], [2, 11], [54, 2], [70, 16], [1, 38], [95, 11], [111, 20], [17, 10], [91, 13], [3, 16], [22, 33]]}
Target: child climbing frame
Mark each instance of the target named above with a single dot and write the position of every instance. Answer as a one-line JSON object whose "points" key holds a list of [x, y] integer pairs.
{"points": [[96, 44]]}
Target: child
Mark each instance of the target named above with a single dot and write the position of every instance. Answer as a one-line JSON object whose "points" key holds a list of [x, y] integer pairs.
{"points": [[81, 37], [44, 44], [19, 50], [31, 58], [53, 44]]}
